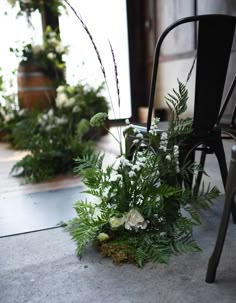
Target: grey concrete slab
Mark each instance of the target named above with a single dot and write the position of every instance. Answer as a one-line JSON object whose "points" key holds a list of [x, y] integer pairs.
{"points": [[36, 211], [43, 267]]}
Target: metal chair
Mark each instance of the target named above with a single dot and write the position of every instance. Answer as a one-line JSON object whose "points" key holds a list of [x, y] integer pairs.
{"points": [[230, 192], [214, 44]]}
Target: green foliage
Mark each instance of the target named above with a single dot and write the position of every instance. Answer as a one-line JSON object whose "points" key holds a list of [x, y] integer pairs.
{"points": [[148, 207], [54, 138], [47, 57], [28, 7]]}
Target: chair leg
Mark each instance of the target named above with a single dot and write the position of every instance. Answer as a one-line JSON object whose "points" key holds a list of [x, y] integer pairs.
{"points": [[215, 257], [199, 175], [220, 154], [229, 199]]}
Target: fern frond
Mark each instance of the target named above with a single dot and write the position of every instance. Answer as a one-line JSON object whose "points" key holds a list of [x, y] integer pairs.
{"points": [[89, 161], [184, 245], [81, 233], [177, 102]]}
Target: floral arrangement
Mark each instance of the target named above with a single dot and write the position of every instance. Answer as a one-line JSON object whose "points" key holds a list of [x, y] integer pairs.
{"points": [[48, 57], [142, 207], [57, 135], [29, 6]]}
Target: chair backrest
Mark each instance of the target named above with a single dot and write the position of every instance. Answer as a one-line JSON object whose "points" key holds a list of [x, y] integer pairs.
{"points": [[214, 43]]}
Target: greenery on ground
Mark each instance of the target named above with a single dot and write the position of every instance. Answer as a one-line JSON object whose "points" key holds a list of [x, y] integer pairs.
{"points": [[142, 208], [53, 137]]}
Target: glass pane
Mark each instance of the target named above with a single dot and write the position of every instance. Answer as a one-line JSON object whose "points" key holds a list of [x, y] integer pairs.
{"points": [[182, 39], [17, 32], [106, 21]]}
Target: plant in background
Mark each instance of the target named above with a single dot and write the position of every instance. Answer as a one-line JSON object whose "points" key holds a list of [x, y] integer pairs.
{"points": [[48, 57], [29, 6], [59, 135], [143, 209], [9, 110]]}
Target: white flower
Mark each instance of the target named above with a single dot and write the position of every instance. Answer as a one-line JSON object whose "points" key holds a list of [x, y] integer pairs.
{"points": [[60, 89], [139, 136], [22, 112], [127, 121], [124, 161], [70, 102], [61, 100], [51, 56], [134, 220], [102, 237], [164, 136], [168, 157], [61, 121], [136, 167], [162, 147], [76, 109], [53, 40], [105, 192], [59, 48], [114, 178], [9, 117], [52, 34], [131, 174], [50, 112], [116, 222]]}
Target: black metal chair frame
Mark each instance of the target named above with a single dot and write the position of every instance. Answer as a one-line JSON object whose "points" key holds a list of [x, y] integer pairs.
{"points": [[215, 38], [230, 192]]}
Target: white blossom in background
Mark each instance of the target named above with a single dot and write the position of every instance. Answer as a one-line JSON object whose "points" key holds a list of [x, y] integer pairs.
{"points": [[61, 100], [9, 117], [60, 48], [75, 109], [51, 56], [60, 89]]}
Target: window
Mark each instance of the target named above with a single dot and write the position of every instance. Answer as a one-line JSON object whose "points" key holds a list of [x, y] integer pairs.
{"points": [[106, 21]]}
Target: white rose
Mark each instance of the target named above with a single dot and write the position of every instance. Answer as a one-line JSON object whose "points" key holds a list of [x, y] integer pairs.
{"points": [[135, 220], [61, 100]]}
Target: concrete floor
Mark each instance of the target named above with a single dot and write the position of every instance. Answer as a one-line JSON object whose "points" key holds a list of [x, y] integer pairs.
{"points": [[42, 267]]}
